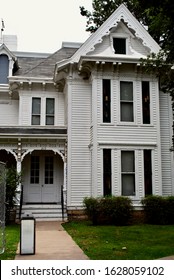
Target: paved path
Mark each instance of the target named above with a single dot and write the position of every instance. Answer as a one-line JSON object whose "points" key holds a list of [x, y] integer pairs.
{"points": [[53, 243]]}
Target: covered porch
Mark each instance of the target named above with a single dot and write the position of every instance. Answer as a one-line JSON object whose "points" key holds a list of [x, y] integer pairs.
{"points": [[42, 164]]}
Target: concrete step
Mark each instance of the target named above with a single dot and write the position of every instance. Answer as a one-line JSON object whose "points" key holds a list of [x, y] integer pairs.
{"points": [[45, 212]]}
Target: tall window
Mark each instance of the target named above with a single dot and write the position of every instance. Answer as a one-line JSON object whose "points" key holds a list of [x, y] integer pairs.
{"points": [[4, 69], [107, 185], [49, 170], [49, 111], [126, 101], [128, 173], [34, 170], [106, 101], [36, 111], [146, 102], [119, 45], [147, 172]]}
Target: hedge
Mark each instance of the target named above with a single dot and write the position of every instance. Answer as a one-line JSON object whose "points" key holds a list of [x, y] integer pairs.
{"points": [[159, 210], [109, 210]]}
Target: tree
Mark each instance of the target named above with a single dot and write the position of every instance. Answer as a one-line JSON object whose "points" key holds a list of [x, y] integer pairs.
{"points": [[103, 9], [158, 15]]}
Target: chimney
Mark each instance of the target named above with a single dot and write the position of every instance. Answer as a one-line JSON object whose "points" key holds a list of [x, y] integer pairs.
{"points": [[10, 41]]}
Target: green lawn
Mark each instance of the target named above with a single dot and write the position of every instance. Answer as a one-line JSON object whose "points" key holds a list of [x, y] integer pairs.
{"points": [[12, 233], [138, 242]]}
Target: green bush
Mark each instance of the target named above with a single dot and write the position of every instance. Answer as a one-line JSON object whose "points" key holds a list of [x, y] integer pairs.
{"points": [[109, 210], [159, 210], [170, 210]]}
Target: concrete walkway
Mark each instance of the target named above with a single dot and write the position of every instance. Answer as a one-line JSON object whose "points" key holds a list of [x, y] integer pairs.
{"points": [[53, 243]]}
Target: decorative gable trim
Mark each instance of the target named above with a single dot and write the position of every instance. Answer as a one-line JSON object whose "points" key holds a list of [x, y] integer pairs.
{"points": [[6, 51], [122, 13]]}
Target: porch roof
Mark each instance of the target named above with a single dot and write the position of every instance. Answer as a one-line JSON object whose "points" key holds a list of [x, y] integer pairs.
{"points": [[23, 132]]}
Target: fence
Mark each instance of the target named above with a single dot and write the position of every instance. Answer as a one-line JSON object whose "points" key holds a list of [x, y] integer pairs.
{"points": [[2, 207]]}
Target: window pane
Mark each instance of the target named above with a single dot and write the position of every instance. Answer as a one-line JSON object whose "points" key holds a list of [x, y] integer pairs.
{"points": [[49, 170], [126, 91], [4, 69], [49, 120], [127, 112], [126, 101], [35, 120], [128, 172], [36, 102], [127, 161], [50, 111], [36, 110], [50, 106], [128, 184], [34, 170]]}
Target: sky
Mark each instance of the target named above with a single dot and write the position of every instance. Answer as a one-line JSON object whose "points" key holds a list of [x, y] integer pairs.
{"points": [[42, 25]]}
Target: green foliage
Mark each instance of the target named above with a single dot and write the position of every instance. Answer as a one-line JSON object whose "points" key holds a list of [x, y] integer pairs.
{"points": [[12, 181], [109, 210], [103, 9], [12, 234], [159, 210]]}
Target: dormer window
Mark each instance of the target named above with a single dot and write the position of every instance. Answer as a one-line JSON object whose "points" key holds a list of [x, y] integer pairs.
{"points": [[119, 45], [4, 69]]}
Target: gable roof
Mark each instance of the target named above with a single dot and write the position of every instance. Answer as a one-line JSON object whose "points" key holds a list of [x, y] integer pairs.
{"points": [[121, 13]]}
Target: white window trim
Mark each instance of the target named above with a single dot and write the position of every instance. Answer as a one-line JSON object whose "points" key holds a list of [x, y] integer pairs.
{"points": [[123, 123], [121, 36], [43, 111]]}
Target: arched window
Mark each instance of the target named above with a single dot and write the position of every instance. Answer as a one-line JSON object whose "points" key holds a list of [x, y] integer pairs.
{"points": [[4, 69]]}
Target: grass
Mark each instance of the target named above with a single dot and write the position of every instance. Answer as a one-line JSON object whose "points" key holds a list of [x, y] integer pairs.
{"points": [[12, 234], [137, 242]]}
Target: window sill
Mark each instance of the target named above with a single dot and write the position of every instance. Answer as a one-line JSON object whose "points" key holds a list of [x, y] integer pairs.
{"points": [[107, 124]]}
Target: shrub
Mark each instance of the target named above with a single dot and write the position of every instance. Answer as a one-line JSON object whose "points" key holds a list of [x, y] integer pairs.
{"points": [[159, 210], [109, 210], [170, 210], [91, 208]]}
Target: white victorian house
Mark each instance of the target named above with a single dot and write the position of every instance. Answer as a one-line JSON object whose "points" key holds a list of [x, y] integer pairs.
{"points": [[87, 118]]}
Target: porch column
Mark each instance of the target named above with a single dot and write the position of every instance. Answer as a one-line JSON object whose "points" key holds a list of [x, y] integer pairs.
{"points": [[18, 195], [19, 169]]}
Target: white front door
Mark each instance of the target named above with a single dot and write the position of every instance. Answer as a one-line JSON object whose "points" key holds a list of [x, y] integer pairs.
{"points": [[44, 181]]}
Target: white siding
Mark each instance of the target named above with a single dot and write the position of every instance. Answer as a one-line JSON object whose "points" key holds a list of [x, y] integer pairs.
{"points": [[166, 142], [119, 136], [25, 110], [26, 107], [9, 112], [79, 162]]}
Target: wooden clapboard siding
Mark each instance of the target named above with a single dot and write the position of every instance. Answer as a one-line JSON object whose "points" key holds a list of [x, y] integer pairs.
{"points": [[166, 143], [9, 112], [26, 107], [79, 163]]}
